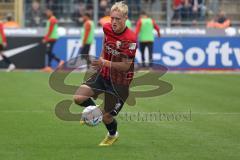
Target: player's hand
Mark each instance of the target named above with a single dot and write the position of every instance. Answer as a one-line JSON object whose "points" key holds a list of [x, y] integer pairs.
{"points": [[97, 64], [159, 35], [44, 41], [4, 45], [195, 8]]}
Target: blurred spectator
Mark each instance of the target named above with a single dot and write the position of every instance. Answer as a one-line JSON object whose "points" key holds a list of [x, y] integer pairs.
{"points": [[89, 6], [106, 18], [133, 5], [213, 6], [158, 9], [220, 21], [10, 23], [148, 5], [103, 6], [80, 8], [177, 11], [78, 13], [34, 15], [198, 10], [54, 5], [186, 10]]}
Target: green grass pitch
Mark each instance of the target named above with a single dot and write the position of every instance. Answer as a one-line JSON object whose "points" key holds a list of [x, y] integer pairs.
{"points": [[30, 130]]}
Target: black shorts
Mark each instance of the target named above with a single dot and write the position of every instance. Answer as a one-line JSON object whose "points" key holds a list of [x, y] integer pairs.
{"points": [[50, 46], [1, 47], [85, 49], [114, 95]]}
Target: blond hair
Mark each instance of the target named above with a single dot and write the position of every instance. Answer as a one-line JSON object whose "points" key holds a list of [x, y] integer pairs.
{"points": [[120, 7]]}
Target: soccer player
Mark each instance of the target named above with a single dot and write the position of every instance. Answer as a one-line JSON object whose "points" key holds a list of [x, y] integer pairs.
{"points": [[144, 28], [3, 44], [87, 37], [115, 71], [50, 39]]}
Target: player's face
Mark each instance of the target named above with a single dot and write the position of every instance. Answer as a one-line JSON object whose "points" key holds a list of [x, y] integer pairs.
{"points": [[118, 21], [84, 18], [48, 13]]}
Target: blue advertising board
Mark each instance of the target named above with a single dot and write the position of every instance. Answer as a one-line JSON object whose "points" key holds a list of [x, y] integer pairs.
{"points": [[176, 53]]}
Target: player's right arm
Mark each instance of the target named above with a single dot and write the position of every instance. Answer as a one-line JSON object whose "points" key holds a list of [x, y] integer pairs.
{"points": [[156, 27], [50, 30], [87, 27], [122, 66]]}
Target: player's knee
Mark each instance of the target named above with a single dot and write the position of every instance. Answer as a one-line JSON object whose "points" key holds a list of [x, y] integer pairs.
{"points": [[107, 118]]}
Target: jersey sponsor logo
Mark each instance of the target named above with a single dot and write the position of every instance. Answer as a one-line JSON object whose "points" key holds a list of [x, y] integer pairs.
{"points": [[118, 44], [132, 46], [111, 48], [112, 51], [115, 48]]}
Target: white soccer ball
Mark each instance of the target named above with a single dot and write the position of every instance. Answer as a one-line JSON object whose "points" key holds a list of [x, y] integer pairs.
{"points": [[92, 115]]}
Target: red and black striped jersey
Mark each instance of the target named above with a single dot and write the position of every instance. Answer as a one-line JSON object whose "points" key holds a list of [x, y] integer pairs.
{"points": [[116, 47]]}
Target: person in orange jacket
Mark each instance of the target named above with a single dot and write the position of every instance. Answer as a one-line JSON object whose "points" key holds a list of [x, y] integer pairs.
{"points": [[221, 21], [106, 18], [10, 23]]}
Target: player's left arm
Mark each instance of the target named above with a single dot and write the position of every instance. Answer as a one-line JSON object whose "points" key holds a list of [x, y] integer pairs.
{"points": [[156, 27], [123, 66]]}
